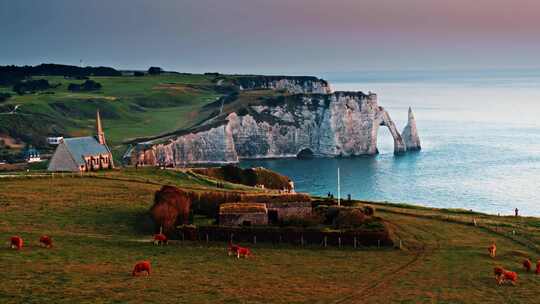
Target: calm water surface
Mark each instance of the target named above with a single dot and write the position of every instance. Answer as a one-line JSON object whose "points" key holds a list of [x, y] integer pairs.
{"points": [[481, 144]]}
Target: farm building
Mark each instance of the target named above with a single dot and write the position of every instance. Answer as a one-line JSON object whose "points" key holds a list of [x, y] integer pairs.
{"points": [[279, 211], [81, 154], [243, 214]]}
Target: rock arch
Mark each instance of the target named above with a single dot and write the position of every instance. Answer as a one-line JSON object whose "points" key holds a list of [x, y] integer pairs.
{"points": [[399, 144], [305, 153]]}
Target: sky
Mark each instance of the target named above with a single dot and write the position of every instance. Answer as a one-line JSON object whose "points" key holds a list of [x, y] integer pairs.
{"points": [[273, 36]]}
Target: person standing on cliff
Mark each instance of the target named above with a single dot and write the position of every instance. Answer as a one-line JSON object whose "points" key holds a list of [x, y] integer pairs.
{"points": [[517, 211]]}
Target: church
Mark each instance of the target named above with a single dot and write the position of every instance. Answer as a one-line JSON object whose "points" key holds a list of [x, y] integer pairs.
{"points": [[82, 154]]}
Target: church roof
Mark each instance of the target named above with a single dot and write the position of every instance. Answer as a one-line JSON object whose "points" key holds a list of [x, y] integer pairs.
{"points": [[84, 146]]}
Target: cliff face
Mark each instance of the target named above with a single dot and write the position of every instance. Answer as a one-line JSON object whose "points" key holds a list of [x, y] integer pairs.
{"points": [[337, 124], [291, 84]]}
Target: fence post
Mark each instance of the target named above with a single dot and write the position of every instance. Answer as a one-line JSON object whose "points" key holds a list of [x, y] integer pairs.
{"points": [[354, 242], [254, 239], [378, 243], [325, 241], [302, 240], [280, 239], [339, 241], [183, 236], [206, 237], [400, 244]]}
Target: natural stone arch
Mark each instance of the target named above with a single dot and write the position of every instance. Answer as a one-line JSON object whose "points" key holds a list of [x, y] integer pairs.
{"points": [[305, 153], [399, 145]]}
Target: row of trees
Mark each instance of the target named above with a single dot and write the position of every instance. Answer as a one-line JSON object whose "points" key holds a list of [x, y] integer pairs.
{"points": [[11, 74]]}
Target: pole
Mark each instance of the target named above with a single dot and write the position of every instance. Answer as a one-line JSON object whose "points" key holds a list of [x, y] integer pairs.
{"points": [[338, 189]]}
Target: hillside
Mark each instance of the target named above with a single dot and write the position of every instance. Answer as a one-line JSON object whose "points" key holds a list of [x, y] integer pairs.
{"points": [[130, 107], [95, 222]]}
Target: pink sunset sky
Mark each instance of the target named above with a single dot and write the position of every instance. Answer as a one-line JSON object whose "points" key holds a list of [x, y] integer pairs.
{"points": [[273, 36]]}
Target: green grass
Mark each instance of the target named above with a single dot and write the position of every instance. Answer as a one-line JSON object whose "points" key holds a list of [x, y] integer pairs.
{"points": [[95, 222], [130, 106]]}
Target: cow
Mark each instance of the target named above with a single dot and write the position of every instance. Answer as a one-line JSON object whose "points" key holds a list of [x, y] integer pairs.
{"points": [[232, 249], [160, 239], [46, 241], [16, 242], [508, 276], [243, 252], [141, 267], [492, 250], [537, 267], [527, 265]]}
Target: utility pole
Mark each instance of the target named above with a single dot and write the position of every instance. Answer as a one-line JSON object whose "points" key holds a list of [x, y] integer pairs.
{"points": [[338, 189]]}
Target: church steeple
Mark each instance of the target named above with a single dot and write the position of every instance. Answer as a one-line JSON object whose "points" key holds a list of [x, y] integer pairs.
{"points": [[100, 135]]}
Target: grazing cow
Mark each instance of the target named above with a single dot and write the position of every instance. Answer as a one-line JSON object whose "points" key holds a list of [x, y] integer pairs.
{"points": [[498, 273], [537, 267], [492, 250], [171, 208], [16, 242], [508, 276], [160, 239], [46, 241], [232, 249], [140, 267], [527, 265], [243, 252]]}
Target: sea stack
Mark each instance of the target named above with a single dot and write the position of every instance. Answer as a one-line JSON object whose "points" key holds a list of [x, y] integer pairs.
{"points": [[410, 134]]}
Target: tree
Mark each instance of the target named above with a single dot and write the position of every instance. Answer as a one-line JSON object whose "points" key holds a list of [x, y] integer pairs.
{"points": [[155, 70]]}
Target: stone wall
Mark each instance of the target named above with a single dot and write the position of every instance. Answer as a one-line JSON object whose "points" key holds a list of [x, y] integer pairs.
{"points": [[238, 219], [287, 211]]}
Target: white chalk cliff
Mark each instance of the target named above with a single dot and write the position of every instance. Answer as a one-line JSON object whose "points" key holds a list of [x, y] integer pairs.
{"points": [[410, 134], [321, 125]]}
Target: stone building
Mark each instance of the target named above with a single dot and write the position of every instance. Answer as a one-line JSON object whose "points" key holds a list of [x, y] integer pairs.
{"points": [[243, 214], [282, 211], [81, 154]]}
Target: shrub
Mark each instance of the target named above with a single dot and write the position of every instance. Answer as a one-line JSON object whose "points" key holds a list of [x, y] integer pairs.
{"points": [[4, 96], [88, 85], [369, 211], [171, 208], [311, 220], [138, 74], [24, 87], [352, 217]]}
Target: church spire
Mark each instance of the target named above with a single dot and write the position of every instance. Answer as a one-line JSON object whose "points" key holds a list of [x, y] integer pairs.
{"points": [[99, 129]]}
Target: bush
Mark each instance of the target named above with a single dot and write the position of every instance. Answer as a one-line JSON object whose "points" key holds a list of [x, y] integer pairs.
{"points": [[138, 74], [369, 211], [24, 87], [350, 218], [4, 96], [314, 219], [88, 85]]}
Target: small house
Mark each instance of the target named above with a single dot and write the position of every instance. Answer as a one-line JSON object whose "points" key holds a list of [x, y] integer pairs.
{"points": [[243, 214], [31, 155], [54, 140]]}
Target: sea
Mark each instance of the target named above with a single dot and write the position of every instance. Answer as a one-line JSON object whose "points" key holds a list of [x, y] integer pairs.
{"points": [[480, 134]]}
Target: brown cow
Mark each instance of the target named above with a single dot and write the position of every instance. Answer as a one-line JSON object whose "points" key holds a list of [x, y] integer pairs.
{"points": [[46, 241], [171, 208], [141, 267], [527, 265], [16, 242]]}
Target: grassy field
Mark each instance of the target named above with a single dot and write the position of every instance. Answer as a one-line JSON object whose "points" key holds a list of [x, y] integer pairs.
{"points": [[130, 107], [94, 223]]}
